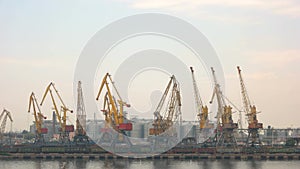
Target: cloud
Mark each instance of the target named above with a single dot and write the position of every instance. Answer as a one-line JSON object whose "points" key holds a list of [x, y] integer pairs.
{"points": [[289, 8]]}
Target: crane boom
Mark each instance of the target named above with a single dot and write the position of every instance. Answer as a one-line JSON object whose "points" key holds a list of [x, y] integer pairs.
{"points": [[220, 100], [113, 111], [113, 116], [225, 125], [48, 90], [163, 99], [251, 112], [2, 114], [65, 129], [107, 110], [5, 114], [245, 96], [202, 111], [174, 101], [38, 116], [164, 120]]}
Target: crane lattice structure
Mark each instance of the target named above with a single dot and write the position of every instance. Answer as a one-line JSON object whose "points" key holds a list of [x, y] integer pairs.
{"points": [[251, 113], [225, 125], [4, 115], [80, 117], [163, 120]]}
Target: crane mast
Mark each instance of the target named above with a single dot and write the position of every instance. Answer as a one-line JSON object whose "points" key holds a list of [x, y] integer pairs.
{"points": [[251, 113], [225, 125], [164, 120], [202, 111], [65, 129], [38, 118]]}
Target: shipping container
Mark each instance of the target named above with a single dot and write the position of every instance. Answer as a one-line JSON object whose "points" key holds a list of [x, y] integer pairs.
{"points": [[44, 130], [69, 128], [125, 126]]}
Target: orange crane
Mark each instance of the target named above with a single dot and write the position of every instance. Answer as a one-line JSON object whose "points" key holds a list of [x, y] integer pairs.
{"points": [[114, 116], [38, 118], [5, 114], [251, 113], [202, 111], [225, 124], [65, 129], [164, 120]]}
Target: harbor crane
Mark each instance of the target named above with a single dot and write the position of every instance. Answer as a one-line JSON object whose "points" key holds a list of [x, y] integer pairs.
{"points": [[225, 125], [114, 116], [202, 111], [64, 128], [251, 113], [164, 120], [5, 114], [38, 119], [80, 134]]}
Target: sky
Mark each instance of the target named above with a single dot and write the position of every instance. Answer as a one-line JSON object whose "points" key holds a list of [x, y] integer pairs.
{"points": [[41, 41]]}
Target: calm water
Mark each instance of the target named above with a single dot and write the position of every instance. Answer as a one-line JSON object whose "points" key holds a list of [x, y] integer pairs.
{"points": [[147, 164]]}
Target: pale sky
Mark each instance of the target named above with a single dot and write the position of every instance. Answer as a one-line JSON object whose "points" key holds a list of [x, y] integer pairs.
{"points": [[40, 42]]}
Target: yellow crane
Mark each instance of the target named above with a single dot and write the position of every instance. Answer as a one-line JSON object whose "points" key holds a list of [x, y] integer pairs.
{"points": [[5, 114], [225, 124], [164, 120], [114, 117], [202, 111], [251, 113], [38, 118], [65, 129]]}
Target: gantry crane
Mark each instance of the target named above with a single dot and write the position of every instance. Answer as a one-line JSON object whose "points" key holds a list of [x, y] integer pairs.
{"points": [[64, 128], [225, 124], [164, 120], [114, 116], [38, 118], [202, 111], [80, 134], [251, 113], [5, 114]]}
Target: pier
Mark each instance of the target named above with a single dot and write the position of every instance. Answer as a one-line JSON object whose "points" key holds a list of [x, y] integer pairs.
{"points": [[51, 156]]}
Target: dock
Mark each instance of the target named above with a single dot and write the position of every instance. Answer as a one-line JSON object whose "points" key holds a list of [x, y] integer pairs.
{"points": [[51, 156]]}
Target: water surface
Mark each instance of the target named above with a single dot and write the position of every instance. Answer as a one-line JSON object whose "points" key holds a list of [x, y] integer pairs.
{"points": [[147, 164]]}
